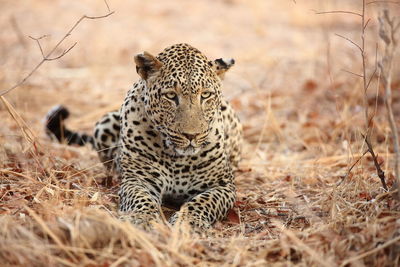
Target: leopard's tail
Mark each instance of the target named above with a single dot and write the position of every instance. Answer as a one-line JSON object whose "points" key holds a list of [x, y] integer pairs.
{"points": [[56, 129]]}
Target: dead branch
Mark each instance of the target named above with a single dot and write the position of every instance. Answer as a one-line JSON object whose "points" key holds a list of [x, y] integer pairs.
{"points": [[38, 43], [352, 166], [351, 41], [388, 32], [366, 24], [380, 172], [383, 2], [337, 12], [364, 68], [376, 66], [353, 73], [47, 57], [366, 83], [63, 53], [366, 79]]}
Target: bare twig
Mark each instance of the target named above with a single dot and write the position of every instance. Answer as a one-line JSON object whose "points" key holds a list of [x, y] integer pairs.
{"points": [[63, 53], [350, 72], [383, 2], [366, 79], [388, 33], [47, 57], [364, 68], [366, 24], [352, 166], [376, 67], [366, 83], [108, 7], [380, 172], [38, 43], [351, 41], [337, 12]]}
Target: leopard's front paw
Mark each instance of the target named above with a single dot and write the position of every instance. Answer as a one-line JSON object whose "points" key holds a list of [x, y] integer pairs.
{"points": [[141, 221], [195, 221]]}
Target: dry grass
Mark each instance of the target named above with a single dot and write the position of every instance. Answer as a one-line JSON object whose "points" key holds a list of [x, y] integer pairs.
{"points": [[302, 116]]}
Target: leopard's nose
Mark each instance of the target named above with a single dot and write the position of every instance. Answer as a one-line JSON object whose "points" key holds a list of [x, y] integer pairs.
{"points": [[190, 137]]}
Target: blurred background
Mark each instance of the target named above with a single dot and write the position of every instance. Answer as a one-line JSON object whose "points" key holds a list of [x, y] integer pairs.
{"points": [[288, 84], [291, 84]]}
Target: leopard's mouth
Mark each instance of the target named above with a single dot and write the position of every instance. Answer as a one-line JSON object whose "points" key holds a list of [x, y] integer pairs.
{"points": [[185, 147], [187, 151]]}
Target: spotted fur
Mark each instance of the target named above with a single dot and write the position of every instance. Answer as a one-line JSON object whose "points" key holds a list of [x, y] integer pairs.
{"points": [[174, 140]]}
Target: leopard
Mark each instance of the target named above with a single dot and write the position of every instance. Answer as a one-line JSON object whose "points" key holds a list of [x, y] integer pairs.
{"points": [[174, 141]]}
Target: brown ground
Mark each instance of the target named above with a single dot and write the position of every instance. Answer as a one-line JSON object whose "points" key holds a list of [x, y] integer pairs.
{"points": [[302, 114]]}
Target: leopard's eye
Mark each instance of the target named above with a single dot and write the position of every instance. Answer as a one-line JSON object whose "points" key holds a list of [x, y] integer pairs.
{"points": [[206, 94], [170, 95]]}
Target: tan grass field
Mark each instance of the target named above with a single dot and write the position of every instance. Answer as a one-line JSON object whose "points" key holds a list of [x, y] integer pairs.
{"points": [[303, 117]]}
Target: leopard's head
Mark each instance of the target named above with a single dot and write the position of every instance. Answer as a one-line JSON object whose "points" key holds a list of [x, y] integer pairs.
{"points": [[182, 94]]}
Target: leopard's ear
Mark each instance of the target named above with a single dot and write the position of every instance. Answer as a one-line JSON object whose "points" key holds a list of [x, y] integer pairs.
{"points": [[221, 65], [147, 65]]}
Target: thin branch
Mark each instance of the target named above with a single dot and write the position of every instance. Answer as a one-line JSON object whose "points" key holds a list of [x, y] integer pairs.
{"points": [[366, 82], [108, 7], [364, 68], [350, 72], [380, 172], [366, 24], [368, 120], [337, 12], [379, 2], [376, 97], [47, 57], [4, 92], [388, 28], [351, 41], [376, 66], [352, 166], [38, 43], [63, 53]]}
